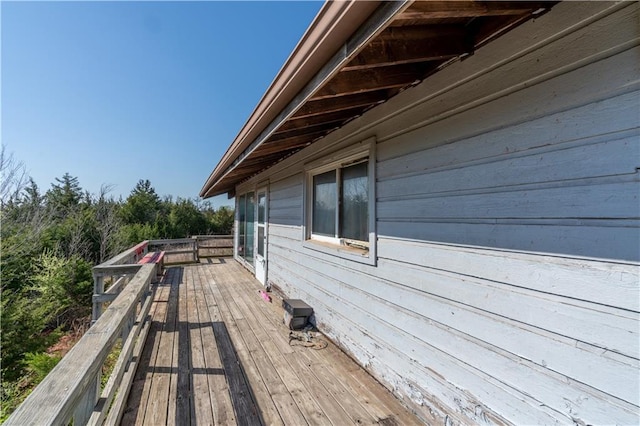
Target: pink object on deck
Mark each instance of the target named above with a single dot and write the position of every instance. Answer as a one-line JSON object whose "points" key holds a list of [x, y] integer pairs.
{"points": [[265, 296]]}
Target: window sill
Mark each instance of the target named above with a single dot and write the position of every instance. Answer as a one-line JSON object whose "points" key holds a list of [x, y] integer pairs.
{"points": [[343, 251]]}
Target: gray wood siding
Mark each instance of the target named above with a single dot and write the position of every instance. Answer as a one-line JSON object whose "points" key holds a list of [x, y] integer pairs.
{"points": [[507, 284]]}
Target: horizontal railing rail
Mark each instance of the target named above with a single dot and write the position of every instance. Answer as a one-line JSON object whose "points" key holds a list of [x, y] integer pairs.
{"points": [[193, 246], [218, 243]]}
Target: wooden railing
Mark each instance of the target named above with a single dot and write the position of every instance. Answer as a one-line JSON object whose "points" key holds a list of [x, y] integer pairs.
{"points": [[73, 390], [192, 249]]}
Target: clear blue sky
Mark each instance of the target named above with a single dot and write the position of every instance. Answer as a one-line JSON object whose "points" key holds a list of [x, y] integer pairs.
{"points": [[114, 92]]}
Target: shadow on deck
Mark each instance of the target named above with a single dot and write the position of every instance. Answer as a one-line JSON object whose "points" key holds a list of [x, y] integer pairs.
{"points": [[217, 353]]}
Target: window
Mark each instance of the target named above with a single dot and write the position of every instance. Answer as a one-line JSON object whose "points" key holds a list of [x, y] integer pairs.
{"points": [[340, 205], [245, 226]]}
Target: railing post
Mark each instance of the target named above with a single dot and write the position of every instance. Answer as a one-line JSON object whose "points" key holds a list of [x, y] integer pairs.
{"points": [[196, 257], [87, 403], [98, 289]]}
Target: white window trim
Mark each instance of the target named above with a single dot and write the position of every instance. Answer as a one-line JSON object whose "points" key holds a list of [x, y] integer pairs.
{"points": [[331, 245]]}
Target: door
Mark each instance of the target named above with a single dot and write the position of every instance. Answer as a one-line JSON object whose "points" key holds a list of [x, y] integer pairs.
{"points": [[246, 225], [261, 240]]}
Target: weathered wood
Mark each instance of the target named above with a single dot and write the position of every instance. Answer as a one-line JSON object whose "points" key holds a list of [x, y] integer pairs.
{"points": [[165, 367], [201, 407], [277, 352], [116, 412], [251, 402], [127, 256], [182, 409], [223, 412], [55, 399], [328, 106], [115, 384], [88, 399], [272, 333], [332, 118], [469, 9], [361, 338], [358, 81], [105, 297], [140, 413], [168, 242], [129, 269], [242, 338], [133, 404], [412, 44]]}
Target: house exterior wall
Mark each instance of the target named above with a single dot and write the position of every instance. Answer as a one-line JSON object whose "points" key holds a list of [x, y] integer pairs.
{"points": [[507, 212]]}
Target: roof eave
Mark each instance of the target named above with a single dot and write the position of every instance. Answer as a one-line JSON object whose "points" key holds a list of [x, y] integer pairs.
{"points": [[331, 28]]}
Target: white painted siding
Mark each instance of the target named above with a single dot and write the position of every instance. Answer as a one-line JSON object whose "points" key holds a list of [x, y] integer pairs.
{"points": [[508, 221]]}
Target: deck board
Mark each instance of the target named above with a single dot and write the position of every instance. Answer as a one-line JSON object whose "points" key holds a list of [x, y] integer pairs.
{"points": [[217, 353]]}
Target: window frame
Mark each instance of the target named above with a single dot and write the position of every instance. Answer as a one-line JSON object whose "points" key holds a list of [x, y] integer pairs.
{"points": [[335, 245]]}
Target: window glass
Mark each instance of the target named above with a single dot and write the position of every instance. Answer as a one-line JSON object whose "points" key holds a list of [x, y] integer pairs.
{"points": [[262, 204], [261, 240], [241, 224], [324, 204], [354, 206], [249, 234]]}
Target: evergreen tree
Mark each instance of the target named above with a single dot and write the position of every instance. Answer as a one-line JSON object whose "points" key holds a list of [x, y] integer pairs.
{"points": [[65, 194], [32, 195], [143, 204]]}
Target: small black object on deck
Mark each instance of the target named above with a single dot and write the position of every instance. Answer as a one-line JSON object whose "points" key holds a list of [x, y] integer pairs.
{"points": [[296, 313]]}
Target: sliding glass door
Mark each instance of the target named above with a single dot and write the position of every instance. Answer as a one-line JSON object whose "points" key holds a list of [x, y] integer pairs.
{"points": [[246, 226]]}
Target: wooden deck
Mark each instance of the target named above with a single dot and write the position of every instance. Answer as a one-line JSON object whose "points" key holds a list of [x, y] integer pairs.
{"points": [[217, 353]]}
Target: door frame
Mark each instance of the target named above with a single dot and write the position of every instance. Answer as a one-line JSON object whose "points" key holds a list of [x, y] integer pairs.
{"points": [[261, 263]]}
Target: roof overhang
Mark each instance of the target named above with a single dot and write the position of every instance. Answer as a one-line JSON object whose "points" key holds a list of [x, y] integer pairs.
{"points": [[354, 56]]}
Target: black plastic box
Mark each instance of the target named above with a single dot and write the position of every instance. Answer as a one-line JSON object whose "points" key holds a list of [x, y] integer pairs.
{"points": [[297, 308]]}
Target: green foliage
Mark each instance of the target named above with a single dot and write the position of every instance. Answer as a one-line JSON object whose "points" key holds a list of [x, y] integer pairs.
{"points": [[22, 332], [40, 364], [63, 287], [185, 219], [221, 221], [48, 245], [65, 195], [110, 364], [131, 234], [142, 206]]}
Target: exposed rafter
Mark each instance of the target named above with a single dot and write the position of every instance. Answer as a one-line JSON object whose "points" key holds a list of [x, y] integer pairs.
{"points": [[399, 45], [358, 81], [402, 45], [325, 106]]}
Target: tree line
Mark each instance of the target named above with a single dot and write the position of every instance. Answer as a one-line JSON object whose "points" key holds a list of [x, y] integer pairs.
{"points": [[50, 240]]}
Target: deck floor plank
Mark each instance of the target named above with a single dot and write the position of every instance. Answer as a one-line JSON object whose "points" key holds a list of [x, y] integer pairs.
{"points": [[163, 371], [217, 353], [218, 388], [201, 407], [277, 362], [291, 372], [267, 410], [135, 398], [352, 410], [145, 372], [182, 409], [377, 400], [282, 398]]}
